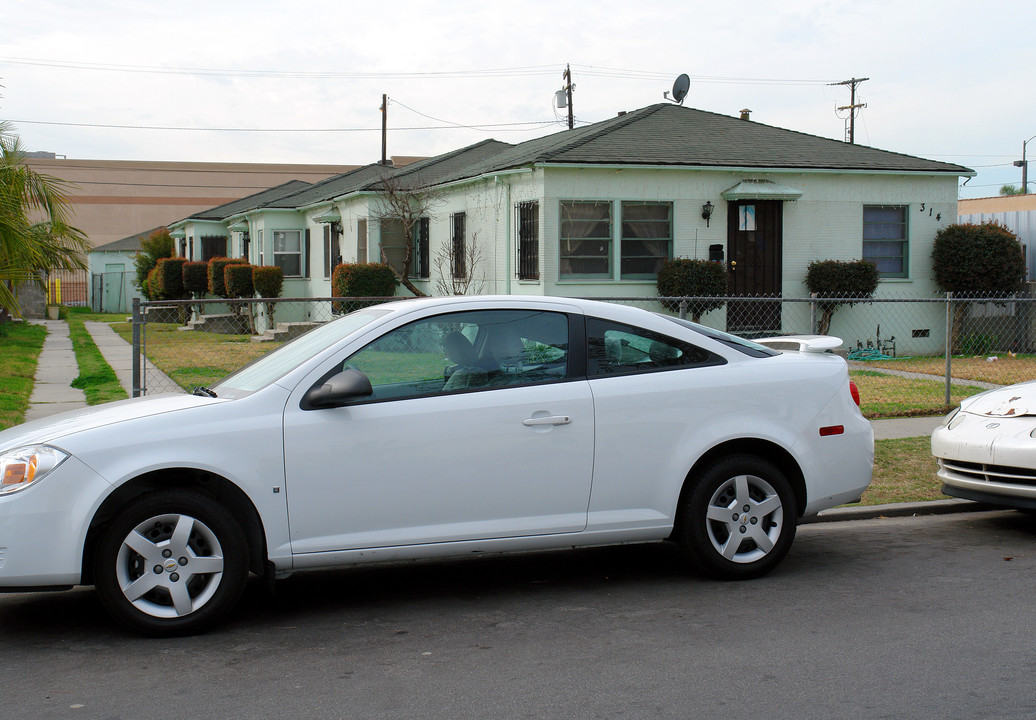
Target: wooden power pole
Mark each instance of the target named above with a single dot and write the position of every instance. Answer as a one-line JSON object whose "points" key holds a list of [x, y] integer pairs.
{"points": [[853, 106]]}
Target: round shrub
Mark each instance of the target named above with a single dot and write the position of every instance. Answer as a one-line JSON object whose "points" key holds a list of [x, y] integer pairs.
{"points": [[840, 279], [984, 259], [169, 277], [687, 277]]}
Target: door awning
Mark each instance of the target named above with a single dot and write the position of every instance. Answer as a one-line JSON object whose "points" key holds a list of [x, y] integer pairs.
{"points": [[761, 190]]}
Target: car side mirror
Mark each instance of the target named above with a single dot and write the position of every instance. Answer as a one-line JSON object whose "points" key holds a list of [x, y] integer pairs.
{"points": [[338, 390]]}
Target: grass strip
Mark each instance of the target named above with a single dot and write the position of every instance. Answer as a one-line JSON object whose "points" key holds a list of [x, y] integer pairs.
{"points": [[904, 471], [96, 378], [887, 396], [20, 346]]}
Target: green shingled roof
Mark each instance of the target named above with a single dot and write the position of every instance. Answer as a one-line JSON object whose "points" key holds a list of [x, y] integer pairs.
{"points": [[672, 135], [259, 199]]}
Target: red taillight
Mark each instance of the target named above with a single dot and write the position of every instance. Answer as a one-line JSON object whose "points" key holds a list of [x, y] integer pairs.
{"points": [[855, 392]]}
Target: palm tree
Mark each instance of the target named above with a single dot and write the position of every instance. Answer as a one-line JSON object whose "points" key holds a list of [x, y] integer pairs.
{"points": [[35, 235]]}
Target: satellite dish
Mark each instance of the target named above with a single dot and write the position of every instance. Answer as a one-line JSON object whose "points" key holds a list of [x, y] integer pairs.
{"points": [[680, 88]]}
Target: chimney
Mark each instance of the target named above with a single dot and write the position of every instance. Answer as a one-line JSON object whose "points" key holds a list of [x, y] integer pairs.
{"points": [[621, 113], [745, 112]]}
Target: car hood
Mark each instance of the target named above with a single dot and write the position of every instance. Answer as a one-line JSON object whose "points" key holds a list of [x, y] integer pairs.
{"points": [[51, 429], [1011, 401]]}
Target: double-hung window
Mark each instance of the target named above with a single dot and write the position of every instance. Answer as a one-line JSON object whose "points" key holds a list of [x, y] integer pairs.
{"points": [[647, 239], [885, 239], [287, 251], [586, 239]]}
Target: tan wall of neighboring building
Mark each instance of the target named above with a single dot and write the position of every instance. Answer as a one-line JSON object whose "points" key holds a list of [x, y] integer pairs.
{"points": [[1002, 203], [115, 199]]}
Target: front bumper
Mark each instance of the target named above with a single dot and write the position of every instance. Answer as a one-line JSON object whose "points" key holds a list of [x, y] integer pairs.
{"points": [[43, 528]]}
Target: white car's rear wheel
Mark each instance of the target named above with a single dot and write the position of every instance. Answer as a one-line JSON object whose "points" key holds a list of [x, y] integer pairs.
{"points": [[171, 563], [738, 520]]}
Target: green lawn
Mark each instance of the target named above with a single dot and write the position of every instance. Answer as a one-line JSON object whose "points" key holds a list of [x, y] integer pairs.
{"points": [[904, 471], [20, 346], [96, 378], [883, 395]]}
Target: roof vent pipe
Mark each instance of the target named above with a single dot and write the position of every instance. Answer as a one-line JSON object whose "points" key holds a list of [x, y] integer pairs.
{"points": [[745, 112], [620, 113]]}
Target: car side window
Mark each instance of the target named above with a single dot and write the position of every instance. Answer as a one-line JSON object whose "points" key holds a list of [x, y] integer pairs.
{"points": [[618, 349], [477, 350]]}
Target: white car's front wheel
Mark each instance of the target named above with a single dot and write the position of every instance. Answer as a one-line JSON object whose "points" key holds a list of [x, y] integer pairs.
{"points": [[738, 520], [171, 563]]}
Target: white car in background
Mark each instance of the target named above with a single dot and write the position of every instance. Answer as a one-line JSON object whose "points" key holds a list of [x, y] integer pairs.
{"points": [[433, 428], [986, 448]]}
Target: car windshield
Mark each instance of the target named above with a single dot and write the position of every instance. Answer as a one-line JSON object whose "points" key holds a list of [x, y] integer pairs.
{"points": [[740, 344], [277, 363]]}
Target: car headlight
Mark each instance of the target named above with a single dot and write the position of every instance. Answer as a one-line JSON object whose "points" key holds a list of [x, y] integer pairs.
{"points": [[25, 466], [949, 418]]}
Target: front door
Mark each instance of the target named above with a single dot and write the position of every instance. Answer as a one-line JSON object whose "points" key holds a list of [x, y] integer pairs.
{"points": [[114, 287], [754, 230]]}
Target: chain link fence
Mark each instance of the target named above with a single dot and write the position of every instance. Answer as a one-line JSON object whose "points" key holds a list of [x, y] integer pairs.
{"points": [[909, 356]]}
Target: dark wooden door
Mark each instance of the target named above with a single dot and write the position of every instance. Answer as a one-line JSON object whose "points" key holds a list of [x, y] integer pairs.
{"points": [[754, 260]]}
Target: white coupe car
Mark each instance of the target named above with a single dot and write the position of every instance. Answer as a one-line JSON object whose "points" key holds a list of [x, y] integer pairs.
{"points": [[985, 448], [433, 428]]}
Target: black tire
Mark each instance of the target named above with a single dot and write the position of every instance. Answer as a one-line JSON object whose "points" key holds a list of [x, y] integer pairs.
{"points": [[738, 519], [171, 562]]}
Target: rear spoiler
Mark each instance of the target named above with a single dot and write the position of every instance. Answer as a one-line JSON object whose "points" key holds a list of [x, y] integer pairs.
{"points": [[801, 343]]}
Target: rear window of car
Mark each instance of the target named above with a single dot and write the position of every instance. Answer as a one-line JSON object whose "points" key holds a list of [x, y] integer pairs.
{"points": [[732, 341]]}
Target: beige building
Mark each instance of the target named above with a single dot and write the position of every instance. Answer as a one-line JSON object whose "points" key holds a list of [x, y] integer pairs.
{"points": [[114, 199]]}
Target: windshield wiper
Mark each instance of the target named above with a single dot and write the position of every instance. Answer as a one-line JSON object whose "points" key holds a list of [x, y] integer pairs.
{"points": [[203, 391]]}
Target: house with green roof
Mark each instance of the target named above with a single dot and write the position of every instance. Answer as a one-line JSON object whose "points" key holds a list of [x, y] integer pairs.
{"points": [[594, 211]]}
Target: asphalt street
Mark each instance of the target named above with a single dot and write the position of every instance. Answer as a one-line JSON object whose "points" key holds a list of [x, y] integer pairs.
{"points": [[906, 617]]}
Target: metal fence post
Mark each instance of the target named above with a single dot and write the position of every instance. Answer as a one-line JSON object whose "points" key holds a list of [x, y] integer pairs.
{"points": [[136, 350], [949, 331], [813, 313], [683, 309]]}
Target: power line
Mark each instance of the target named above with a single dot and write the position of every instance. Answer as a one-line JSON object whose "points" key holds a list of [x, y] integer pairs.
{"points": [[537, 124], [520, 71], [279, 130], [288, 74]]}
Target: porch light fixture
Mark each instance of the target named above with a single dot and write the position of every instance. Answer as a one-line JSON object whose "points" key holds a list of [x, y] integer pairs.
{"points": [[706, 211]]}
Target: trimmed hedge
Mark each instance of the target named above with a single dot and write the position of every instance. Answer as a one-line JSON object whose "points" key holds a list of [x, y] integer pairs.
{"points": [[196, 278], [363, 280], [217, 284], [978, 259], [840, 279], [267, 280], [687, 277], [168, 280], [237, 279]]}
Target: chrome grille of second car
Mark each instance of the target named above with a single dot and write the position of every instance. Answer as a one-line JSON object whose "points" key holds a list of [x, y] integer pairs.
{"points": [[992, 473]]}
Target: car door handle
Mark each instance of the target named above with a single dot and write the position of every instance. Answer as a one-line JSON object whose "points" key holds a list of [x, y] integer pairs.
{"points": [[551, 420]]}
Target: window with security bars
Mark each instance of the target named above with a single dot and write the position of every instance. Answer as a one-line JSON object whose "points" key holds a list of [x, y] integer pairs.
{"points": [[332, 252], [647, 239], [459, 249], [361, 240], [213, 246], [528, 225], [586, 239], [885, 239]]}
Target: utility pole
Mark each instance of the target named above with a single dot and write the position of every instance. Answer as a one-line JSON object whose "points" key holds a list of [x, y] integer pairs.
{"points": [[853, 106], [569, 87], [1024, 165], [384, 129]]}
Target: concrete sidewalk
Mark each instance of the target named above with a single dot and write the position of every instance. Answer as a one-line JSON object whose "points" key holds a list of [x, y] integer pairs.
{"points": [[55, 371]]}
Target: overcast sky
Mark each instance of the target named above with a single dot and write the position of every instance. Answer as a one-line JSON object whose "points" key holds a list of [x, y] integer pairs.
{"points": [[950, 80]]}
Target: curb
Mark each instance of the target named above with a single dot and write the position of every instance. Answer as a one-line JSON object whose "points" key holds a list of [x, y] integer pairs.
{"points": [[872, 512]]}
